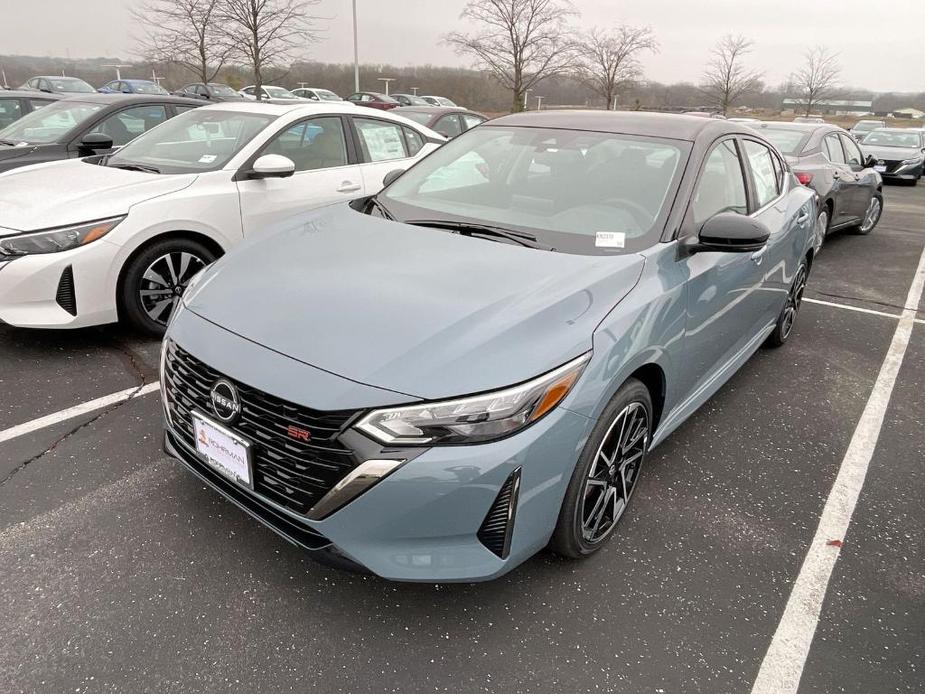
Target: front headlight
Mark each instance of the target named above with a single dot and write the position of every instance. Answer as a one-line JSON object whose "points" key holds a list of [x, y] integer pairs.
{"points": [[474, 419], [914, 160], [55, 240]]}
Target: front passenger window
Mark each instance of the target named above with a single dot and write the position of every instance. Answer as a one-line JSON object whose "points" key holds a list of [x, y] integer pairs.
{"points": [[318, 143], [854, 154], [722, 184]]}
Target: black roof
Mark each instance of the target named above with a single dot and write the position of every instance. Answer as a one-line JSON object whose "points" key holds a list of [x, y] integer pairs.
{"points": [[668, 125], [118, 99], [29, 94]]}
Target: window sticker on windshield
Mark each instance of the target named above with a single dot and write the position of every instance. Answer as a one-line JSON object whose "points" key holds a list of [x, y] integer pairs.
{"points": [[610, 239], [207, 158]]}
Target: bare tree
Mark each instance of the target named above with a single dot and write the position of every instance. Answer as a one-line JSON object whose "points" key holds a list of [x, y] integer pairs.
{"points": [[818, 79], [269, 32], [520, 43], [726, 78], [185, 32], [608, 60]]}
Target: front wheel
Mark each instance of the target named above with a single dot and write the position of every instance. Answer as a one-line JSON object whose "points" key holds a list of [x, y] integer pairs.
{"points": [[872, 216], [155, 279], [606, 474], [788, 314]]}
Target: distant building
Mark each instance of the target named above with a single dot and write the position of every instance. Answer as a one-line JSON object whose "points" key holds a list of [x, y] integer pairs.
{"points": [[830, 107], [909, 113]]}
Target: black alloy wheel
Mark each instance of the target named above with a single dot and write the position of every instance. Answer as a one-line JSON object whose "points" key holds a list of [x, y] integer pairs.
{"points": [[607, 473]]}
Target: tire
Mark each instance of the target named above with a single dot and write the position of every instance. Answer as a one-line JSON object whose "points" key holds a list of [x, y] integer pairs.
{"points": [[871, 217], [788, 314], [574, 536], [154, 280], [823, 222]]}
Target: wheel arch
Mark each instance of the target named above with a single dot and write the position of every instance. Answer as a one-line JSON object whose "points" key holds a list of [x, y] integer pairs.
{"points": [[652, 376], [180, 234]]}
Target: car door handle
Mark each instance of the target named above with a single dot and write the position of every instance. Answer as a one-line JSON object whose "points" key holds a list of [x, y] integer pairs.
{"points": [[349, 187], [758, 256], [803, 218], [836, 175]]}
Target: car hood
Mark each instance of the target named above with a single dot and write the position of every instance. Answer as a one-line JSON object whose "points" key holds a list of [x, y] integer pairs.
{"points": [[74, 191], [415, 310], [892, 153]]}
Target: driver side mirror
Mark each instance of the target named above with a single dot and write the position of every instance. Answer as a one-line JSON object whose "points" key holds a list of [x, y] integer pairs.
{"points": [[272, 166], [91, 142], [730, 232], [391, 177], [869, 161]]}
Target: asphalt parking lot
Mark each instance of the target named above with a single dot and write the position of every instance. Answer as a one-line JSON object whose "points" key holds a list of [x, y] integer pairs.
{"points": [[120, 572]]}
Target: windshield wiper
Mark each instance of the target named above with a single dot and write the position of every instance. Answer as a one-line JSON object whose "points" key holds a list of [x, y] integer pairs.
{"points": [[134, 166], [470, 229], [10, 143]]}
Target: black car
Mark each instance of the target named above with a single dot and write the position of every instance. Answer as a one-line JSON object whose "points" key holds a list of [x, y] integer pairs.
{"points": [[52, 84], [212, 92], [827, 159], [447, 121], [899, 153], [15, 104], [82, 126]]}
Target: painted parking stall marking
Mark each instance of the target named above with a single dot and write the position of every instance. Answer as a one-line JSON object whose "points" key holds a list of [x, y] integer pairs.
{"points": [[783, 663]]}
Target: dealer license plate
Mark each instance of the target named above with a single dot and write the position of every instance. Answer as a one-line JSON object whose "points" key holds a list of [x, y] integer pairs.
{"points": [[880, 168], [223, 450]]}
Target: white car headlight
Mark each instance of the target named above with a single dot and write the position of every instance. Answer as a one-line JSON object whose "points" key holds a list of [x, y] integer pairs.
{"points": [[477, 418], [914, 160], [56, 240]]}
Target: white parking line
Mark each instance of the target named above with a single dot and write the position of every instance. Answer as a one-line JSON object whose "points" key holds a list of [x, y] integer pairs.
{"points": [[77, 411], [783, 664], [859, 309]]}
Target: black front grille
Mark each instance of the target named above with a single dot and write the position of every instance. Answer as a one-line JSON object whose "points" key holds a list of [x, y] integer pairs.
{"points": [[891, 165], [289, 471], [498, 526], [65, 296]]}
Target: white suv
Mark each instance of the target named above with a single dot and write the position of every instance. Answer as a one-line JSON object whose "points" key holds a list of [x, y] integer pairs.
{"points": [[87, 241]]}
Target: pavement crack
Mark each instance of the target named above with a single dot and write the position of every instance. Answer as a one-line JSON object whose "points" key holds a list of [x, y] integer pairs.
{"points": [[132, 358], [68, 434], [863, 300]]}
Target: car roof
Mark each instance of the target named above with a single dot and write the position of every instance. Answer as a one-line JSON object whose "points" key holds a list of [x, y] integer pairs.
{"points": [[55, 77], [115, 99], [434, 110], [135, 80], [668, 125], [307, 107], [29, 94]]}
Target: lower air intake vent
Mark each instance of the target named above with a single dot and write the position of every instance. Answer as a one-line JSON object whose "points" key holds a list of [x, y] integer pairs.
{"points": [[66, 297], [498, 526]]}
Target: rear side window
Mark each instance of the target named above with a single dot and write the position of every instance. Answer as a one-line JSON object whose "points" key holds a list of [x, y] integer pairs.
{"points": [[722, 184], [832, 149], [472, 121], [448, 126], [414, 141], [380, 141], [761, 164]]}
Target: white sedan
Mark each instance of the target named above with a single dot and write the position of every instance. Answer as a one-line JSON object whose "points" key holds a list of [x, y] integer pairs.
{"points": [[90, 241]]}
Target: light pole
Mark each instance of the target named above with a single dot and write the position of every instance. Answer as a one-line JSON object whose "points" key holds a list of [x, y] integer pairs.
{"points": [[539, 103], [3, 74], [526, 96], [414, 90], [356, 52], [386, 80], [156, 78], [118, 68]]}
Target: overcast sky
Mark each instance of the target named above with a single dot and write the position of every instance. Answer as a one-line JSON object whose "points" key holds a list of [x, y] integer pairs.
{"points": [[881, 49]]}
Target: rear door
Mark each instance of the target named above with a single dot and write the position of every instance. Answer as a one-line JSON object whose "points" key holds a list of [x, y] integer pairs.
{"points": [[382, 146], [326, 172]]}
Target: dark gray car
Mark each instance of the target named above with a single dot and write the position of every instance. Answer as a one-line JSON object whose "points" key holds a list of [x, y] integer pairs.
{"points": [[14, 104], [449, 121], [899, 153], [827, 159], [212, 92]]}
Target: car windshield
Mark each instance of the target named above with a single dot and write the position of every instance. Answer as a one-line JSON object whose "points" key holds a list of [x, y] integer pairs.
{"points": [[868, 125], [279, 93], [222, 89], [49, 123], [326, 95], [192, 142], [148, 88], [891, 138], [786, 140], [580, 192], [70, 84]]}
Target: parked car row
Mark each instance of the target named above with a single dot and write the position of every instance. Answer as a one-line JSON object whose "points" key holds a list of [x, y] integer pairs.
{"points": [[329, 278]]}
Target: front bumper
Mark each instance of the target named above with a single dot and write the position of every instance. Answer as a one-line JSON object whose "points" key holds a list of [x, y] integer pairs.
{"points": [[29, 288], [421, 522]]}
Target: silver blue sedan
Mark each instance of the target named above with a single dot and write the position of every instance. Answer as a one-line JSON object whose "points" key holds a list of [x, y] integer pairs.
{"points": [[437, 382]]}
